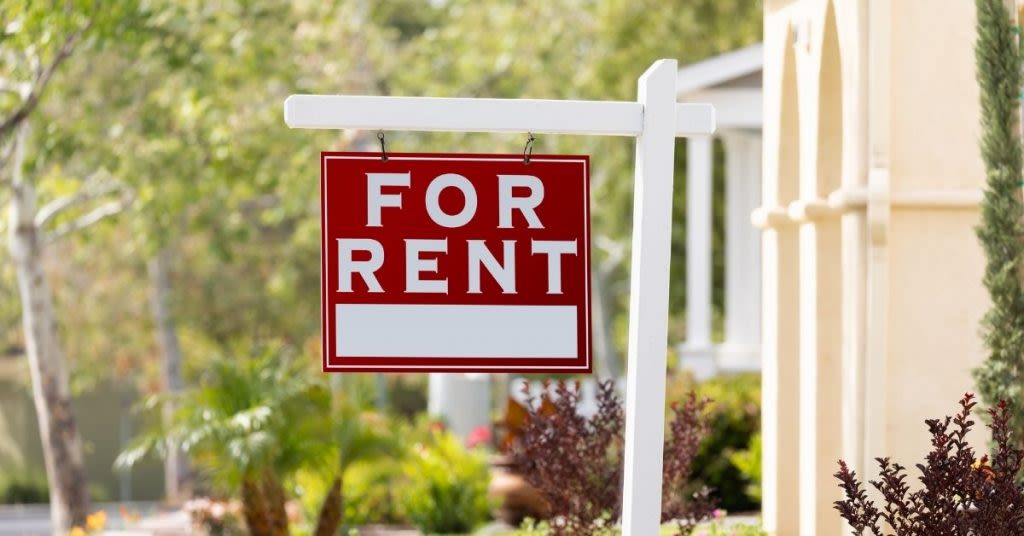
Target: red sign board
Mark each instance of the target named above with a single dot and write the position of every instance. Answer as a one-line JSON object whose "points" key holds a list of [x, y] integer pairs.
{"points": [[455, 263]]}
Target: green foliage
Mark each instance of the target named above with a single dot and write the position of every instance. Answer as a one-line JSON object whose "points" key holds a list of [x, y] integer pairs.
{"points": [[429, 480], [370, 485], [734, 416], [250, 412], [369, 490], [401, 395], [532, 527], [370, 494], [21, 484], [180, 102], [446, 486], [23, 487], [998, 59], [264, 417], [749, 463], [718, 527], [356, 435], [407, 394], [37, 38]]}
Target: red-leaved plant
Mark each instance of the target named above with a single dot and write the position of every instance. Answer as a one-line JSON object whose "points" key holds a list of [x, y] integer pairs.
{"points": [[576, 461], [960, 495]]}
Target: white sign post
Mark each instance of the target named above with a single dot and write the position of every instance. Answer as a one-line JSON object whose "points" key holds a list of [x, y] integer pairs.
{"points": [[655, 120]]}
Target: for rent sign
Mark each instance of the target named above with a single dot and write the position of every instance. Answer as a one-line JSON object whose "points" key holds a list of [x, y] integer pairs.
{"points": [[455, 262]]}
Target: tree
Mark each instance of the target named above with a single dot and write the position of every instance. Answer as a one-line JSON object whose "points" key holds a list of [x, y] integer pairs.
{"points": [[183, 115], [62, 448], [355, 436], [998, 58], [37, 40], [255, 419], [244, 423], [577, 50]]}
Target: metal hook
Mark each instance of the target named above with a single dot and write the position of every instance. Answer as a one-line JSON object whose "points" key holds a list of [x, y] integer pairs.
{"points": [[383, 151], [528, 150]]}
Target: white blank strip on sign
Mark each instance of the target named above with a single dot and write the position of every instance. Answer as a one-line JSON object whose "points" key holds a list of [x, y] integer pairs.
{"points": [[407, 330]]}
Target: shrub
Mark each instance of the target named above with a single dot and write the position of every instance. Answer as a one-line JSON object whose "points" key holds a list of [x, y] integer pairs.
{"points": [[998, 60], [23, 487], [401, 395], [719, 528], [749, 463], [371, 494], [682, 502], [959, 495], [253, 422], [734, 420], [445, 487], [576, 462], [249, 424], [356, 436], [407, 394]]}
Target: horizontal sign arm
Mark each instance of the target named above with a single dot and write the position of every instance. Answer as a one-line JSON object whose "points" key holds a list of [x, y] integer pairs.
{"points": [[609, 118]]}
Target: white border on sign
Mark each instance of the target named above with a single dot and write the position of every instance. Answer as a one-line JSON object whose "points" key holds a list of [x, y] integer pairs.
{"points": [[586, 260]]}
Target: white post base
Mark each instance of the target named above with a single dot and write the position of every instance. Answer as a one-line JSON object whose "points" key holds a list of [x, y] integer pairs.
{"points": [[732, 357], [699, 360], [463, 401]]}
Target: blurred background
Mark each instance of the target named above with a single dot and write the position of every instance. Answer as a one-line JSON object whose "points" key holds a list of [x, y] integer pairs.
{"points": [[163, 238]]}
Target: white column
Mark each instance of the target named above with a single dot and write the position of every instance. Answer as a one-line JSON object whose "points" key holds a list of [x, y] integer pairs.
{"points": [[463, 401], [696, 353], [742, 253], [648, 303]]}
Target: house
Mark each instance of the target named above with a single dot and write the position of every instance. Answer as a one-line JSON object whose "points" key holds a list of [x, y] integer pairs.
{"points": [[732, 83], [872, 274]]}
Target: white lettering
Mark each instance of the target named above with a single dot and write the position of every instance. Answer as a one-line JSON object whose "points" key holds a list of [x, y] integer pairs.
{"points": [[503, 274], [554, 249], [526, 205], [437, 186], [375, 199], [365, 269], [415, 265]]}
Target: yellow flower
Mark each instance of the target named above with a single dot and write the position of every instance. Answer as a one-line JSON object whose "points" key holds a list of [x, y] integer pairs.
{"points": [[96, 521], [77, 531]]}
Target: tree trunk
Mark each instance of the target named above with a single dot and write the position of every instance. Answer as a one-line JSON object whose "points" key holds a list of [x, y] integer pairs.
{"points": [[331, 511], [273, 492], [254, 507], [176, 472], [62, 448]]}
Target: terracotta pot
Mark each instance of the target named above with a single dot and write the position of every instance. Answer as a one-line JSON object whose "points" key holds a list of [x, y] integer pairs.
{"points": [[514, 497]]}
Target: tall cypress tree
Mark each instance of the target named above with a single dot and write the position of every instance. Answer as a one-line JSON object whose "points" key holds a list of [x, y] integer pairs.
{"points": [[998, 58]]}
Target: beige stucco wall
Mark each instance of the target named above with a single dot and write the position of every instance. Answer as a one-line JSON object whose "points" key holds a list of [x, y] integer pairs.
{"points": [[883, 197]]}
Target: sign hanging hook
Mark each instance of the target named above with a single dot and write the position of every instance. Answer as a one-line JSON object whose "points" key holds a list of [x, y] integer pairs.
{"points": [[383, 151], [528, 150]]}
